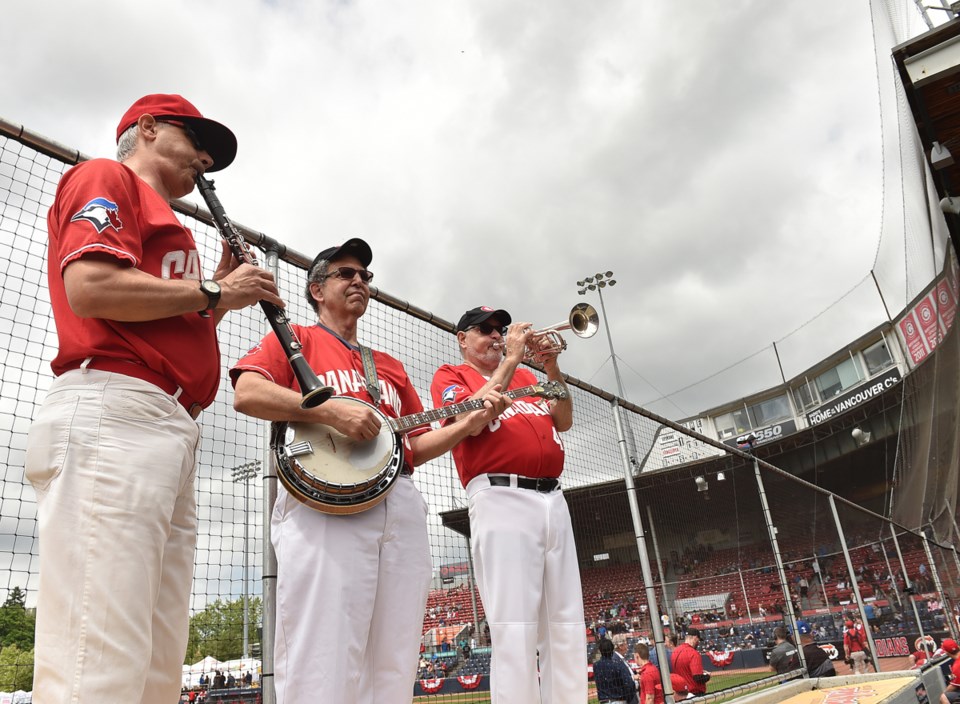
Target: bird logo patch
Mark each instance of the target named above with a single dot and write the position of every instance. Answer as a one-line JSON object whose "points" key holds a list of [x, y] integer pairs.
{"points": [[450, 394], [101, 213]]}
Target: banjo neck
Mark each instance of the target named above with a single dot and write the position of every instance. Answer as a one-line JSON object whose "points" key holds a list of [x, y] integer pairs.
{"points": [[415, 420]]}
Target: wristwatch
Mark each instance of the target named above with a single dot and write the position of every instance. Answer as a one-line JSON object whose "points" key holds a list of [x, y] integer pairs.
{"points": [[212, 289]]}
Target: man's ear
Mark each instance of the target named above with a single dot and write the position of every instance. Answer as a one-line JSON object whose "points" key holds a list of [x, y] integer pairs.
{"points": [[316, 290]]}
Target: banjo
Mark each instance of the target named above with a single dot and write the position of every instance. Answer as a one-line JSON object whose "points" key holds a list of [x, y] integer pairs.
{"points": [[332, 473]]}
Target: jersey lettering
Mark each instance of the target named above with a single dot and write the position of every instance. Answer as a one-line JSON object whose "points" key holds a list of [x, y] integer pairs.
{"points": [[494, 425], [557, 439], [185, 264], [348, 382]]}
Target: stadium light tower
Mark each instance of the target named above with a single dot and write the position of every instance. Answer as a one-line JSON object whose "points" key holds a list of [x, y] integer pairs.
{"points": [[597, 283], [243, 473]]}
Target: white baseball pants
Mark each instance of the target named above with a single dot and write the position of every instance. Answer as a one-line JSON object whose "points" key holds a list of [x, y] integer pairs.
{"points": [[351, 593], [112, 461], [526, 565]]}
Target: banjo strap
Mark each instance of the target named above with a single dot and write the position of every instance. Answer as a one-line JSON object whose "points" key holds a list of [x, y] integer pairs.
{"points": [[370, 372]]}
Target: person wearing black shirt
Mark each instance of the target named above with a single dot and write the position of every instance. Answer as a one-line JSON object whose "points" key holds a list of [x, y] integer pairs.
{"points": [[818, 662], [613, 677]]}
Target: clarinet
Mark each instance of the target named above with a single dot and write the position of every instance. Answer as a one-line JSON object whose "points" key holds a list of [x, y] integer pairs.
{"points": [[314, 393]]}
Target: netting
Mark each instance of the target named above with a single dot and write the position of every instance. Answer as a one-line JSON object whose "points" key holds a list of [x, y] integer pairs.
{"points": [[725, 552]]}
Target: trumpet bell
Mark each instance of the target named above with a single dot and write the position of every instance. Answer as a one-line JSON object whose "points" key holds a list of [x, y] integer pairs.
{"points": [[583, 321]]}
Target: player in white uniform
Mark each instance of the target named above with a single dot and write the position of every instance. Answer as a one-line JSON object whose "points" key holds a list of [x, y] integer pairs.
{"points": [[521, 534], [111, 453], [351, 589]]}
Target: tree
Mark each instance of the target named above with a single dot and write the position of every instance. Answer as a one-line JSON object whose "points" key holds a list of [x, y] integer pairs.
{"points": [[17, 625], [16, 669], [218, 630]]}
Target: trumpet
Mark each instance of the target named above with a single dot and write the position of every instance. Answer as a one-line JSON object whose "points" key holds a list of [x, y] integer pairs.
{"points": [[583, 322]]}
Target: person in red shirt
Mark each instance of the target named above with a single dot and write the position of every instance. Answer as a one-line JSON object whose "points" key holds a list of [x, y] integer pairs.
{"points": [[687, 664], [951, 694], [351, 587], [521, 532], [855, 648], [112, 450], [648, 679]]}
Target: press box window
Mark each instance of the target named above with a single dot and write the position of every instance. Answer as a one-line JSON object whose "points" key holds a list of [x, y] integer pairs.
{"points": [[770, 411], [835, 381], [732, 424], [877, 358]]}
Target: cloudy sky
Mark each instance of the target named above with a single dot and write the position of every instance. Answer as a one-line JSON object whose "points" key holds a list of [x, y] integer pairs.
{"points": [[724, 159]]}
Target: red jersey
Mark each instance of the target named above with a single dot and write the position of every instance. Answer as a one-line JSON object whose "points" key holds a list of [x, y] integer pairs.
{"points": [[337, 363], [854, 640], [685, 663], [104, 208], [650, 684], [522, 440], [955, 672]]}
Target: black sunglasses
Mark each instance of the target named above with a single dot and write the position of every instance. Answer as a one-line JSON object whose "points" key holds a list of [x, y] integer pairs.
{"points": [[487, 328], [187, 130], [348, 272]]}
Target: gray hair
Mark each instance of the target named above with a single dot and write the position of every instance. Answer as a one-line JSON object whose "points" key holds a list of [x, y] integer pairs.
{"points": [[127, 144], [316, 275]]}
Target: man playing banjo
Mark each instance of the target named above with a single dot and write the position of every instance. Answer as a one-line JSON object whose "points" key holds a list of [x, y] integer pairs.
{"points": [[351, 584], [521, 535]]}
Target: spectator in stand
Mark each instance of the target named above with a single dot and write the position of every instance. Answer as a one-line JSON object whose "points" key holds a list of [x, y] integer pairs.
{"points": [[613, 678], [783, 657], [687, 664], [918, 659], [952, 693], [219, 681], [855, 650], [648, 678], [231, 681], [804, 587]]}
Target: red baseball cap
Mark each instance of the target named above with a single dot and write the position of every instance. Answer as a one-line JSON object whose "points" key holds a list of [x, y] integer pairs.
{"points": [[216, 139], [950, 646]]}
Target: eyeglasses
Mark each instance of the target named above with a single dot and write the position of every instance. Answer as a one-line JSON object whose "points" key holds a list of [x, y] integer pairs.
{"points": [[487, 328], [187, 130], [348, 272]]}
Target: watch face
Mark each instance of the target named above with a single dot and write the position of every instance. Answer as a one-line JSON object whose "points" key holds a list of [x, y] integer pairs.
{"points": [[211, 286]]}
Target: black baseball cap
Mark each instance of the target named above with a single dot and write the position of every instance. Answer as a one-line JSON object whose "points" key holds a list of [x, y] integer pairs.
{"points": [[475, 316], [354, 246]]}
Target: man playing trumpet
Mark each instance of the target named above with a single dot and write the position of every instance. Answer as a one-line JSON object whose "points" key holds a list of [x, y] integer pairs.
{"points": [[521, 534]]}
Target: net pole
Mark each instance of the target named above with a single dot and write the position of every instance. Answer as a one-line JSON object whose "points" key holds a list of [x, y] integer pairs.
{"points": [[656, 552], [656, 624], [778, 559], [907, 585], [896, 592], [473, 591], [746, 601], [269, 578], [937, 584], [854, 586], [823, 587]]}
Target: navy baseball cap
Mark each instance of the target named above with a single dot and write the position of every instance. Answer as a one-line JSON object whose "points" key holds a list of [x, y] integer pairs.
{"points": [[804, 628], [475, 316], [215, 139], [354, 246]]}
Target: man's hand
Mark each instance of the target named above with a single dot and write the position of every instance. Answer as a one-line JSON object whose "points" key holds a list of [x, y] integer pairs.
{"points": [[494, 403], [518, 335], [245, 285], [353, 420]]}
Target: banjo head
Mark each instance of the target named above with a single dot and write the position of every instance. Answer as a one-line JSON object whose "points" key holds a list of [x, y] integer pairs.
{"points": [[325, 469]]}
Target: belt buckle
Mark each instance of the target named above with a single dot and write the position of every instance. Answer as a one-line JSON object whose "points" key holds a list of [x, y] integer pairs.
{"points": [[194, 410]]}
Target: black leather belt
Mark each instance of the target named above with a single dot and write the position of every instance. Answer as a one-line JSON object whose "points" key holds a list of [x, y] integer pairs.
{"points": [[543, 484]]}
